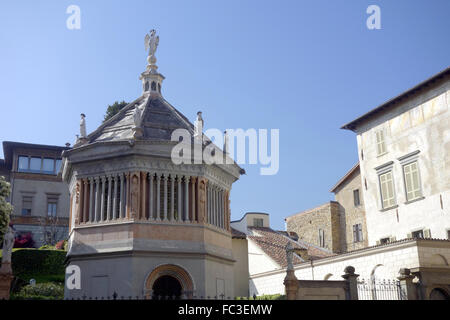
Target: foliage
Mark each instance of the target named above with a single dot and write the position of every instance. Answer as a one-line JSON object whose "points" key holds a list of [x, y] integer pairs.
{"points": [[40, 291], [114, 109], [61, 245], [5, 207], [24, 241], [38, 262], [264, 297], [47, 247]]}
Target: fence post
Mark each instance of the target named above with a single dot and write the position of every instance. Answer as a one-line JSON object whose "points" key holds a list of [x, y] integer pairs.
{"points": [[350, 277], [408, 290]]}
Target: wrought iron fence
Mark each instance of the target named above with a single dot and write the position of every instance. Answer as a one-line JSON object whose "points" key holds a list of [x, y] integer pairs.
{"points": [[183, 296], [372, 289]]}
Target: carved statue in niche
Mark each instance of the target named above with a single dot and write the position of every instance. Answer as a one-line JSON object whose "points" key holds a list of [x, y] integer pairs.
{"points": [[77, 203], [134, 196]]}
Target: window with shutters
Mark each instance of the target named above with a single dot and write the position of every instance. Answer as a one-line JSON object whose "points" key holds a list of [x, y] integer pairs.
{"points": [[380, 142], [321, 238], [258, 222], [417, 234], [412, 181], [387, 190], [356, 199], [27, 204], [357, 233]]}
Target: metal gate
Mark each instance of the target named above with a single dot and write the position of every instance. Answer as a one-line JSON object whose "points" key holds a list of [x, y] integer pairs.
{"points": [[373, 289]]}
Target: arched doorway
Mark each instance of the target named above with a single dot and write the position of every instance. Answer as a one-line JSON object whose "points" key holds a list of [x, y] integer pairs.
{"points": [[169, 280], [166, 287], [438, 294]]}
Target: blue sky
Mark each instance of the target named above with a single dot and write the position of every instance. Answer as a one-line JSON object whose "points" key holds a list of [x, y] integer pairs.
{"points": [[304, 67]]}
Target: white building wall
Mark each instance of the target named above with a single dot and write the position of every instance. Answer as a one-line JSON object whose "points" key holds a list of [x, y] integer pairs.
{"points": [[421, 123]]}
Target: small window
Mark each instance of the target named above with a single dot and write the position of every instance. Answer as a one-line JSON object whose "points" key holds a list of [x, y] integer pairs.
{"points": [[35, 164], [258, 222], [385, 240], [23, 163], [356, 199], [381, 143], [27, 203], [51, 208], [48, 166], [412, 181], [417, 234], [357, 233], [387, 190], [322, 238]]}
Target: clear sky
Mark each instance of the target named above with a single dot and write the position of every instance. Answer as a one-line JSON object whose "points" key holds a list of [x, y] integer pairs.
{"points": [[304, 67]]}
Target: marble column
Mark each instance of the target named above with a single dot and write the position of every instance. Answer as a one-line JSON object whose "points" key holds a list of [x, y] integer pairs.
{"points": [[114, 208], [109, 199], [172, 197], [180, 207], [165, 196], [158, 196], [150, 196], [91, 199], [122, 196], [193, 206], [97, 199], [186, 198], [86, 200], [102, 201]]}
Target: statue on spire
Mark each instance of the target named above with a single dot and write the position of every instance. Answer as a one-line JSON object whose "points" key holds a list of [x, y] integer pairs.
{"points": [[151, 42]]}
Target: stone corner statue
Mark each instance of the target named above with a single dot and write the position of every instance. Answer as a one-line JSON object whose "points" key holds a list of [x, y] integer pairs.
{"points": [[83, 126], [8, 243], [198, 125], [289, 256]]}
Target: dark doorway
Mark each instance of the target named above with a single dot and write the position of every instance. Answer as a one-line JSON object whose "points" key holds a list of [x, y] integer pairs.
{"points": [[166, 288], [438, 294]]}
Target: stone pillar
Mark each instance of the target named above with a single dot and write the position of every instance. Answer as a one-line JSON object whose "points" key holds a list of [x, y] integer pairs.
{"points": [[351, 278], [86, 201], [407, 287], [165, 196], [193, 206], [97, 199], [5, 285], [150, 196], [122, 196], [180, 204], [172, 197], [78, 209], [109, 199], [91, 199], [186, 198], [102, 201], [158, 196], [227, 210], [143, 210], [114, 209]]}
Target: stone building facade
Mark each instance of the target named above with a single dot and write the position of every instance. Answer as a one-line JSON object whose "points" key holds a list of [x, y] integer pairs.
{"points": [[39, 196], [404, 156], [320, 226], [353, 226], [141, 224]]}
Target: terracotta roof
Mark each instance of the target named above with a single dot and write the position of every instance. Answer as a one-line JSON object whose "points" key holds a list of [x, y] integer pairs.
{"points": [[236, 234], [392, 102], [274, 243], [344, 178]]}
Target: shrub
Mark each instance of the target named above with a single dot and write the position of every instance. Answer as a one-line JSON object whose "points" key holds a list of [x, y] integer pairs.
{"points": [[24, 241], [42, 262], [41, 291], [47, 247]]}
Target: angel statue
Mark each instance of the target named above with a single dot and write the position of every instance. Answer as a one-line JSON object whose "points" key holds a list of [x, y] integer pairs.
{"points": [[151, 42]]}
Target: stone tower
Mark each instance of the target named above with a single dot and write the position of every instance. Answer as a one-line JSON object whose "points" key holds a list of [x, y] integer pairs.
{"points": [[141, 225]]}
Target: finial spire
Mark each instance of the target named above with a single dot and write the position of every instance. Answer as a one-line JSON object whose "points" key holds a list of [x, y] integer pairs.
{"points": [[151, 78]]}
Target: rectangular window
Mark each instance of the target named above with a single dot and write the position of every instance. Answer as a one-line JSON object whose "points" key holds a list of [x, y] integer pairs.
{"points": [[381, 143], [258, 222], [38, 165], [384, 240], [321, 238], [356, 199], [48, 166], [27, 204], [417, 234], [23, 163], [35, 164], [357, 233], [57, 165], [51, 208], [412, 181], [387, 190]]}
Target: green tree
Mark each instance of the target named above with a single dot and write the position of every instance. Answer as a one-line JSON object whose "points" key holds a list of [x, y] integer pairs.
{"points": [[114, 109], [5, 206]]}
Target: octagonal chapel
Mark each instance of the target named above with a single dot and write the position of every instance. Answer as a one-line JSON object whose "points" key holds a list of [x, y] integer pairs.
{"points": [[140, 225]]}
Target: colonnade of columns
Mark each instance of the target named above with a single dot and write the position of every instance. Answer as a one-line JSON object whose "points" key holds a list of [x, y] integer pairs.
{"points": [[151, 196]]}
